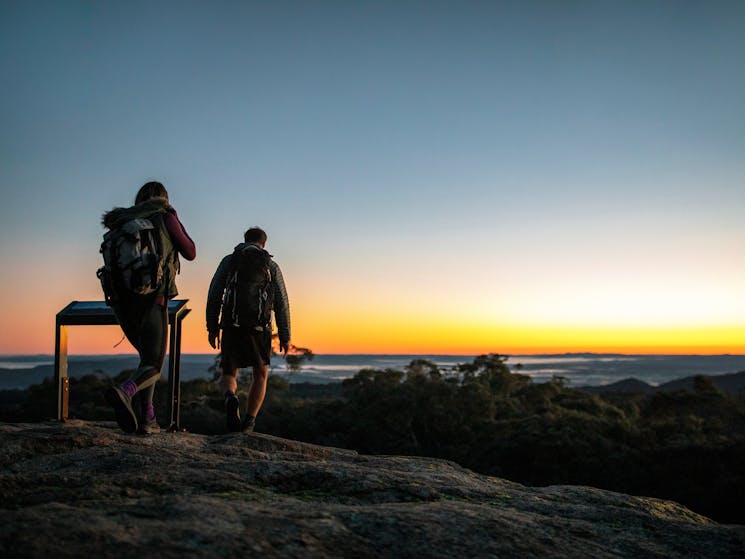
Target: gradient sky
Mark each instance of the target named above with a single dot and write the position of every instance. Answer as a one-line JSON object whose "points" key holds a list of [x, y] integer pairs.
{"points": [[435, 177]]}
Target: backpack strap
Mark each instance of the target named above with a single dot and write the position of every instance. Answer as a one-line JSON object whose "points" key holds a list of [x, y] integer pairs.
{"points": [[231, 281]]}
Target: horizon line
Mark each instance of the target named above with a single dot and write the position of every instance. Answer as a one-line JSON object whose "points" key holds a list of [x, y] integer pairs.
{"points": [[386, 354]]}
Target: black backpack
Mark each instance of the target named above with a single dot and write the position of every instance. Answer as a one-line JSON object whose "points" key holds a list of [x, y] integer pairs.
{"points": [[133, 260], [249, 292]]}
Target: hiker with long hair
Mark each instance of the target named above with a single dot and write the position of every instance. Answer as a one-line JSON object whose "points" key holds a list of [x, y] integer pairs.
{"points": [[139, 294]]}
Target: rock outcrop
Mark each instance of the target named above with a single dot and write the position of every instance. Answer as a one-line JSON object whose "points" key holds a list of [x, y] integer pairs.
{"points": [[87, 490]]}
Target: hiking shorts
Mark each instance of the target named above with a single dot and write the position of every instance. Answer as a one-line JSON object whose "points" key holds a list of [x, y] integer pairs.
{"points": [[243, 347]]}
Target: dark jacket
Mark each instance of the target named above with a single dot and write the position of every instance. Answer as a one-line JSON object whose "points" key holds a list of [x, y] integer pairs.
{"points": [[281, 304], [152, 209]]}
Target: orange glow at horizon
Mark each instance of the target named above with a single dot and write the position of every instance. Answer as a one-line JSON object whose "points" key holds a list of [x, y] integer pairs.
{"points": [[335, 335], [344, 322], [461, 339]]}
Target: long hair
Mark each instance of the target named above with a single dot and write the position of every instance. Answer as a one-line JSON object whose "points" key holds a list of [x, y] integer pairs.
{"points": [[150, 190]]}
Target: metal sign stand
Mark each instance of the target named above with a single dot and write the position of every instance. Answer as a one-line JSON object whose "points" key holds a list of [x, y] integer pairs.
{"points": [[94, 313]]}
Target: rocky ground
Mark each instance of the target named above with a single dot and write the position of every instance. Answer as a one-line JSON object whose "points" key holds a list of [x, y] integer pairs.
{"points": [[87, 490]]}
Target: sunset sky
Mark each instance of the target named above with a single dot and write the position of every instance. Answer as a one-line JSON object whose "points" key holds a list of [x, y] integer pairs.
{"points": [[435, 177]]}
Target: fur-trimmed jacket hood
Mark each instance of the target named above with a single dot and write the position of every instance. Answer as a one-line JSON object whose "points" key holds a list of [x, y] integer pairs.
{"points": [[116, 216]]}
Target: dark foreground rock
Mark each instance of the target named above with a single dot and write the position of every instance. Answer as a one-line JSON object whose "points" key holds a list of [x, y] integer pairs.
{"points": [[86, 490]]}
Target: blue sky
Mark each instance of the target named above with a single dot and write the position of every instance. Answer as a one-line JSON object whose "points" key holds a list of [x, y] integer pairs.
{"points": [[534, 162]]}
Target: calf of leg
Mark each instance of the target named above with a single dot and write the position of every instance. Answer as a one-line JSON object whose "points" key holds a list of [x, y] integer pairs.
{"points": [[257, 390], [228, 382], [152, 345]]}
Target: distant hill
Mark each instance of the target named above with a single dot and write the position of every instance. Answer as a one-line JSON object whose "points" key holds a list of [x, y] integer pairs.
{"points": [[731, 383], [627, 386]]}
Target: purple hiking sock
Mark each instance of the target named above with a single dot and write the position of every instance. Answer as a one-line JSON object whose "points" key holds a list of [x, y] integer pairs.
{"points": [[129, 387], [148, 410]]}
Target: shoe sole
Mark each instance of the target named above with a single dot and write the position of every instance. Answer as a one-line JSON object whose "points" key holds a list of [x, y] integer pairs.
{"points": [[125, 415], [144, 430], [233, 416]]}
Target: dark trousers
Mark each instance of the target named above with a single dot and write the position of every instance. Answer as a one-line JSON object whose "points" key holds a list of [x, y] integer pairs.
{"points": [[145, 324]]}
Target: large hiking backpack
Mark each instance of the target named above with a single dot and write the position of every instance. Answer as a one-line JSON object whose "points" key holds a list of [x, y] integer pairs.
{"points": [[133, 260], [249, 292]]}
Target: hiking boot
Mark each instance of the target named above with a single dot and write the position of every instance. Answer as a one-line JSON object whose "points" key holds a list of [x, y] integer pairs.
{"points": [[149, 427], [122, 404], [232, 414], [248, 424]]}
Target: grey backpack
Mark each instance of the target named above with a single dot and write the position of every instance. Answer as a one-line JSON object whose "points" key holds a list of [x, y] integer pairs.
{"points": [[133, 260]]}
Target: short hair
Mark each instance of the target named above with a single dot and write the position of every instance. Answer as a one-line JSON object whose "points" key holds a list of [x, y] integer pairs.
{"points": [[255, 235], [149, 190]]}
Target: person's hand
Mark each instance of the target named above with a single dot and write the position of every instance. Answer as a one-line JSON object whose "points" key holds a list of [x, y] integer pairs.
{"points": [[214, 339], [284, 347]]}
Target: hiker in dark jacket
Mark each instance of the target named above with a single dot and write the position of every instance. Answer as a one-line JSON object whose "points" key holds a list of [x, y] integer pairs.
{"points": [[144, 318], [248, 343]]}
